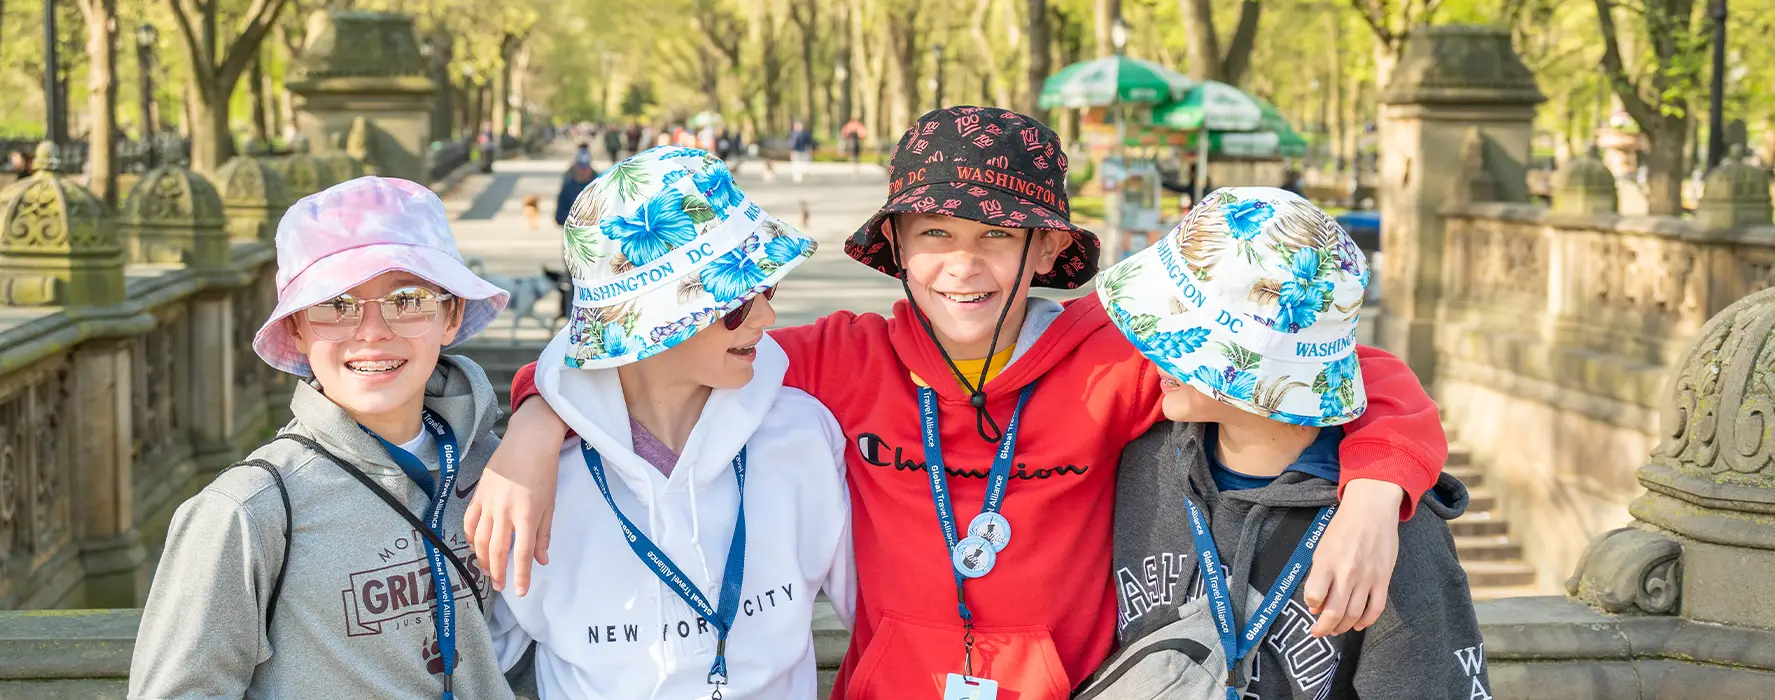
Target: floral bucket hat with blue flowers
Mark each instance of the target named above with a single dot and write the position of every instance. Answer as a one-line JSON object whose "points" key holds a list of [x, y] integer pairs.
{"points": [[1253, 300], [662, 245]]}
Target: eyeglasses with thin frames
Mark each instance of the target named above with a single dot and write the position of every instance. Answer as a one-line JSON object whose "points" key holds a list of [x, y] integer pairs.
{"points": [[410, 312]]}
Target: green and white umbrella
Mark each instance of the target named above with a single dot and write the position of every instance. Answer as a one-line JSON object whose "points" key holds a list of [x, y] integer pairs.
{"points": [[1113, 79], [1214, 106], [1273, 137]]}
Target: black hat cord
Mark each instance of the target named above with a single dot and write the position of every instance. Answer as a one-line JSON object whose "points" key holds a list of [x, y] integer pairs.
{"points": [[983, 421]]}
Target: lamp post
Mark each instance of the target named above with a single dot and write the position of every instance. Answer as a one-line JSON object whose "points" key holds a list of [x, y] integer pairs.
{"points": [[1716, 118], [146, 35], [1118, 37], [937, 83], [53, 128]]}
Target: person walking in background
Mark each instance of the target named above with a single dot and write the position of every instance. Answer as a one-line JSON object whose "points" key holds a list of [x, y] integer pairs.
{"points": [[578, 176], [1294, 182], [801, 150], [613, 142], [634, 138], [853, 134]]}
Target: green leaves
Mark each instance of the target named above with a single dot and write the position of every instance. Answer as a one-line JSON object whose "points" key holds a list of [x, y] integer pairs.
{"points": [[1144, 325], [1240, 358], [698, 209], [628, 179]]}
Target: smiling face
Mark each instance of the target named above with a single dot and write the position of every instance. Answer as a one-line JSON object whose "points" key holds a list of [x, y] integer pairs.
{"points": [[719, 358], [960, 273], [376, 372]]}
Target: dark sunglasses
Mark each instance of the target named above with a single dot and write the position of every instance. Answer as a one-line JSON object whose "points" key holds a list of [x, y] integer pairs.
{"points": [[734, 318]]}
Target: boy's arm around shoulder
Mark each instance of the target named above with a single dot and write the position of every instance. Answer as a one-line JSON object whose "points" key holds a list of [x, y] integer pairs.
{"points": [[1427, 643], [1399, 439], [203, 628]]}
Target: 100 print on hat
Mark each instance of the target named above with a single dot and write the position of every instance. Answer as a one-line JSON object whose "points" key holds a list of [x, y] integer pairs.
{"points": [[662, 245], [1252, 300]]}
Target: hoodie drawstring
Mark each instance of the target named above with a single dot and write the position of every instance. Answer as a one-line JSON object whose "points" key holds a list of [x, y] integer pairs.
{"points": [[983, 421]]}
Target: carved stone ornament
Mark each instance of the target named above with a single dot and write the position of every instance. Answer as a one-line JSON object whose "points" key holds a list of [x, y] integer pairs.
{"points": [[247, 181], [1630, 570], [1461, 64], [173, 196], [344, 166], [1712, 477], [303, 174], [1585, 186], [1735, 194], [47, 213]]}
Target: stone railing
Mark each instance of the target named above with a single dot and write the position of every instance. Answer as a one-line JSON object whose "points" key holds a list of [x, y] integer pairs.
{"points": [[1557, 328], [127, 377]]}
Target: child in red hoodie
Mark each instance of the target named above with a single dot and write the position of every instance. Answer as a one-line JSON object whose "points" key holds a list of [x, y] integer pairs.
{"points": [[1024, 404]]}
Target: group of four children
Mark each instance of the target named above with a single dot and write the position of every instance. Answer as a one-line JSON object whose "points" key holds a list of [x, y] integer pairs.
{"points": [[995, 491]]}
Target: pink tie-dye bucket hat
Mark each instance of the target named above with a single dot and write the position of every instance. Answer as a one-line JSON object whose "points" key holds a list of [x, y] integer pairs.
{"points": [[346, 235]]}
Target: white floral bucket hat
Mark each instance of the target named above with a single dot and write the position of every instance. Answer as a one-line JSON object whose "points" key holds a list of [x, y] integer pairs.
{"points": [[346, 235], [1253, 300], [662, 245]]}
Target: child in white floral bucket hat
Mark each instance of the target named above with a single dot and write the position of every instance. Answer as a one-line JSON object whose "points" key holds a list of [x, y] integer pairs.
{"points": [[1248, 309], [1253, 301], [684, 438]]}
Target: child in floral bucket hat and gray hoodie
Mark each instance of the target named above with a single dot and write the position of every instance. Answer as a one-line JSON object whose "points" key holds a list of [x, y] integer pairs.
{"points": [[1248, 310], [706, 499], [332, 563]]}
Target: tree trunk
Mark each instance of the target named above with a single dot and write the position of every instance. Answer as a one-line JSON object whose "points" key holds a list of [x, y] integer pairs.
{"points": [[256, 85], [848, 86], [1204, 43], [101, 85], [503, 90], [1664, 167], [903, 31], [1038, 57], [211, 143], [1237, 58], [1107, 12]]}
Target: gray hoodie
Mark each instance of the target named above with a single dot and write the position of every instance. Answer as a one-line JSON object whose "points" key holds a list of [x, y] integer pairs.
{"points": [[1425, 646], [355, 617]]}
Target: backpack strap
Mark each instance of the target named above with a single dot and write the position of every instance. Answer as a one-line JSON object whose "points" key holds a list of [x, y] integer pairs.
{"points": [[1273, 555], [283, 563], [399, 508]]}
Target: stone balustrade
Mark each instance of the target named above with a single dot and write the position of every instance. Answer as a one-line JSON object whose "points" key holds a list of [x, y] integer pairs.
{"points": [[127, 375]]}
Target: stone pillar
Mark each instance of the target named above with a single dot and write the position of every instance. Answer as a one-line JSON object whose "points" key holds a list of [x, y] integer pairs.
{"points": [[111, 549], [1736, 195], [173, 215], [58, 249], [1585, 186], [253, 196], [1459, 111], [367, 64]]}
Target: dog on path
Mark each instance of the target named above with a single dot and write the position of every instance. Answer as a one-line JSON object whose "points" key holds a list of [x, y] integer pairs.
{"points": [[532, 211], [525, 293]]}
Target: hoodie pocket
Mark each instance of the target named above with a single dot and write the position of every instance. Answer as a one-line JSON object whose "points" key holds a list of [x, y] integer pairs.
{"points": [[911, 658]]}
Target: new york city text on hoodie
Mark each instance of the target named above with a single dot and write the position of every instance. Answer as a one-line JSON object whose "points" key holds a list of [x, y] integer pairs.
{"points": [[355, 617], [1045, 617], [608, 628], [1426, 645]]}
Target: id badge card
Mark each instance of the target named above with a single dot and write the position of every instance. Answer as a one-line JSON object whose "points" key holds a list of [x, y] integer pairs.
{"points": [[961, 687]]}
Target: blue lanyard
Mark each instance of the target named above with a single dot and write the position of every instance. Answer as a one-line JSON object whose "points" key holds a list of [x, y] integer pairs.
{"points": [[448, 459], [668, 571], [996, 480], [1220, 602]]}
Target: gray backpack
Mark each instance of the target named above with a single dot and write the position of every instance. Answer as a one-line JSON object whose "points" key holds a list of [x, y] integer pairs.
{"points": [[1183, 659]]}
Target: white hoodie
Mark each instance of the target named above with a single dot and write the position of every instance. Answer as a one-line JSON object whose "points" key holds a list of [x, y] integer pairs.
{"points": [[609, 629]]}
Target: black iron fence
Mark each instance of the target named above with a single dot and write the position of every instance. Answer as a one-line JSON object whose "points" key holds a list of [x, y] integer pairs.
{"points": [[132, 156]]}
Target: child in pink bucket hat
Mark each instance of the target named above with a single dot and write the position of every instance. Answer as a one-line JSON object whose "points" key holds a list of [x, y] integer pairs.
{"points": [[353, 513]]}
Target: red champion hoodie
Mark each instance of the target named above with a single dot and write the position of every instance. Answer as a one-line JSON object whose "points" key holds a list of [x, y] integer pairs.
{"points": [[1045, 616]]}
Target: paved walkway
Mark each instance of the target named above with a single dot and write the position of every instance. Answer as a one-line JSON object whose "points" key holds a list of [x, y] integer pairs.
{"points": [[487, 213]]}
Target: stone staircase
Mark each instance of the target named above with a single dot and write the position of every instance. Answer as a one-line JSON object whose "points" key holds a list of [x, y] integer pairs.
{"points": [[1493, 561]]}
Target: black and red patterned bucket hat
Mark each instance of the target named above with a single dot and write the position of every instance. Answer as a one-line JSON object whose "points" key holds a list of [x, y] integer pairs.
{"points": [[983, 164]]}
